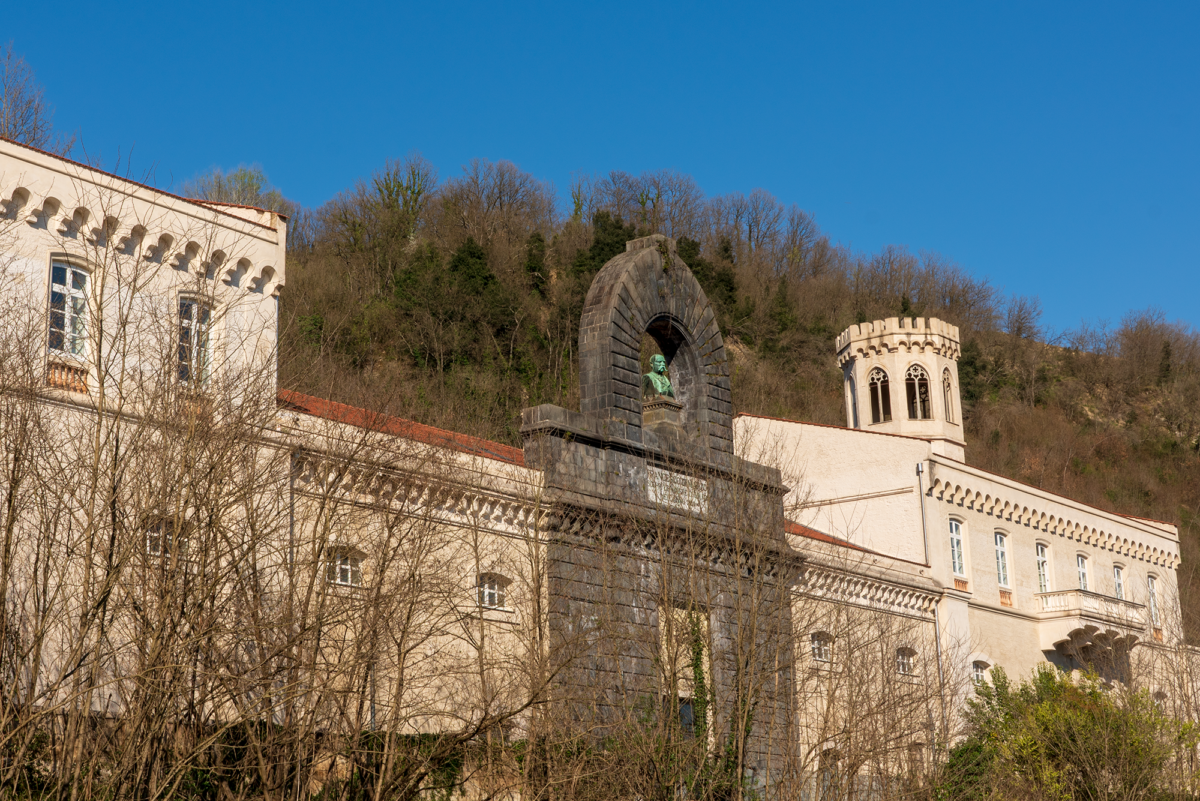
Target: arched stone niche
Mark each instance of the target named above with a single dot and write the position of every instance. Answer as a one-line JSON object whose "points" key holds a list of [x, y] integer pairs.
{"points": [[648, 289]]}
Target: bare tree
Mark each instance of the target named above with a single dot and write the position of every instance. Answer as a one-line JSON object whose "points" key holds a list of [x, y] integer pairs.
{"points": [[25, 114]]}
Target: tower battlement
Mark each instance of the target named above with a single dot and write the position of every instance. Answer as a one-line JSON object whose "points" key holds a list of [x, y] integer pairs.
{"points": [[901, 377], [896, 334]]}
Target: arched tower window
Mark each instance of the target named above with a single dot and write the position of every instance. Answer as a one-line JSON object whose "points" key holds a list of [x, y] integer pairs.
{"points": [[881, 397], [853, 404], [916, 383], [948, 394]]}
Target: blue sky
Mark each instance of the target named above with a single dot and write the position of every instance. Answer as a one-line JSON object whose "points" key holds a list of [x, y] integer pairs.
{"points": [[1050, 147]]}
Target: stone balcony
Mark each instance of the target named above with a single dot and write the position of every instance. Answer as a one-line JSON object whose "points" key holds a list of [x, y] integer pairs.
{"points": [[1089, 626]]}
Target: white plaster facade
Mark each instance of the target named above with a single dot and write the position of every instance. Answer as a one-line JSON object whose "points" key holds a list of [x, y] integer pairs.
{"points": [[871, 505], [1013, 591]]}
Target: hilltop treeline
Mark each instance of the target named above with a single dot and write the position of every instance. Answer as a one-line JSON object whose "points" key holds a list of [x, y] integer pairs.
{"points": [[456, 303]]}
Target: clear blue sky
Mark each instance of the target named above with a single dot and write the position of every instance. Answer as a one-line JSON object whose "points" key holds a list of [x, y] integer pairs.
{"points": [[1050, 147]]}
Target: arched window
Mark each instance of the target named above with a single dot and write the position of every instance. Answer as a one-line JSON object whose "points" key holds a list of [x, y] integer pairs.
{"points": [[948, 394], [1152, 601], [906, 661], [853, 404], [881, 397], [1043, 566], [1160, 701], [1081, 567], [492, 589], [1119, 582], [916, 384], [979, 671], [822, 646], [344, 567], [957, 562], [1001, 560]]}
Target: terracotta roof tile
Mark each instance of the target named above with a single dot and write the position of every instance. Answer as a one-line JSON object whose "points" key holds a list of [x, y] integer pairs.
{"points": [[800, 530], [399, 427]]}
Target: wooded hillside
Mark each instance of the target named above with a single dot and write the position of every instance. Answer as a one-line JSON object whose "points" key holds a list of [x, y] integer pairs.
{"points": [[456, 303]]}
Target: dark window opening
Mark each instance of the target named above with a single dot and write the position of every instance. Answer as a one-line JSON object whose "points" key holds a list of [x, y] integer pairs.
{"points": [[916, 382], [881, 397]]}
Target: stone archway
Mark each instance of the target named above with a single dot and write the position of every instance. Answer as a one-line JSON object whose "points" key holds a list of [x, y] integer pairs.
{"points": [[649, 290]]}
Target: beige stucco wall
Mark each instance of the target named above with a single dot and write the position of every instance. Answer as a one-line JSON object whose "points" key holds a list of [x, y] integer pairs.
{"points": [[863, 487]]}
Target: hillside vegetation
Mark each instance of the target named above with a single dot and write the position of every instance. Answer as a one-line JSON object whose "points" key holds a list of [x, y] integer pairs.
{"points": [[456, 303]]}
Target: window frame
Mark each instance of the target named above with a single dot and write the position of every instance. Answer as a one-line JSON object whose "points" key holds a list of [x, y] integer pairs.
{"points": [[948, 394], [1000, 539], [344, 559], [186, 365], [1081, 571], [1119, 581], [958, 554], [852, 388], [1152, 600], [821, 647], [491, 591], [80, 309], [979, 671], [906, 661], [1042, 555], [916, 379], [879, 388]]}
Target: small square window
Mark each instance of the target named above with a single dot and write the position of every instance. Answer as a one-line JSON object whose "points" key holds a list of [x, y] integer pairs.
{"points": [[344, 570], [491, 591], [822, 647]]}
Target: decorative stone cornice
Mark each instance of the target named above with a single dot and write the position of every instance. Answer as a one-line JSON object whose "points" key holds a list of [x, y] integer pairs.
{"points": [[1004, 500], [74, 202], [418, 495], [853, 588]]}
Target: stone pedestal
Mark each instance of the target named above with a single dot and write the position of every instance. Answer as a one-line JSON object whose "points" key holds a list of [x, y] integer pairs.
{"points": [[661, 410]]}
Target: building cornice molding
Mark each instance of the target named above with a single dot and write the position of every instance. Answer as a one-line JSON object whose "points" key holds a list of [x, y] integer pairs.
{"points": [[111, 213], [854, 587], [418, 494], [1012, 502]]}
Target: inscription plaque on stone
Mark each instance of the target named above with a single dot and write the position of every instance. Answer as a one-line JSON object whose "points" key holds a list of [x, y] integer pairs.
{"points": [[666, 488]]}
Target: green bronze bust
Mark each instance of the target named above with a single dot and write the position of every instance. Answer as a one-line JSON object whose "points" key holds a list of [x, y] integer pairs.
{"points": [[656, 382]]}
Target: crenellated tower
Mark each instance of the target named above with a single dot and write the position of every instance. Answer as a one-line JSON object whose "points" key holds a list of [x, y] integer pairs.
{"points": [[901, 377]]}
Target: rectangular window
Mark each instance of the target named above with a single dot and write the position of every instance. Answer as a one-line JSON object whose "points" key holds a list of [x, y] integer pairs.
{"points": [[68, 309], [1081, 564], [194, 319], [344, 569], [1152, 600], [1001, 559], [1118, 583], [1043, 566], [491, 592], [956, 549], [822, 647]]}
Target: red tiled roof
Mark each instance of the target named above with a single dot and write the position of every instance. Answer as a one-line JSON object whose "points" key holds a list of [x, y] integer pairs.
{"points": [[204, 203], [800, 530], [399, 427]]}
